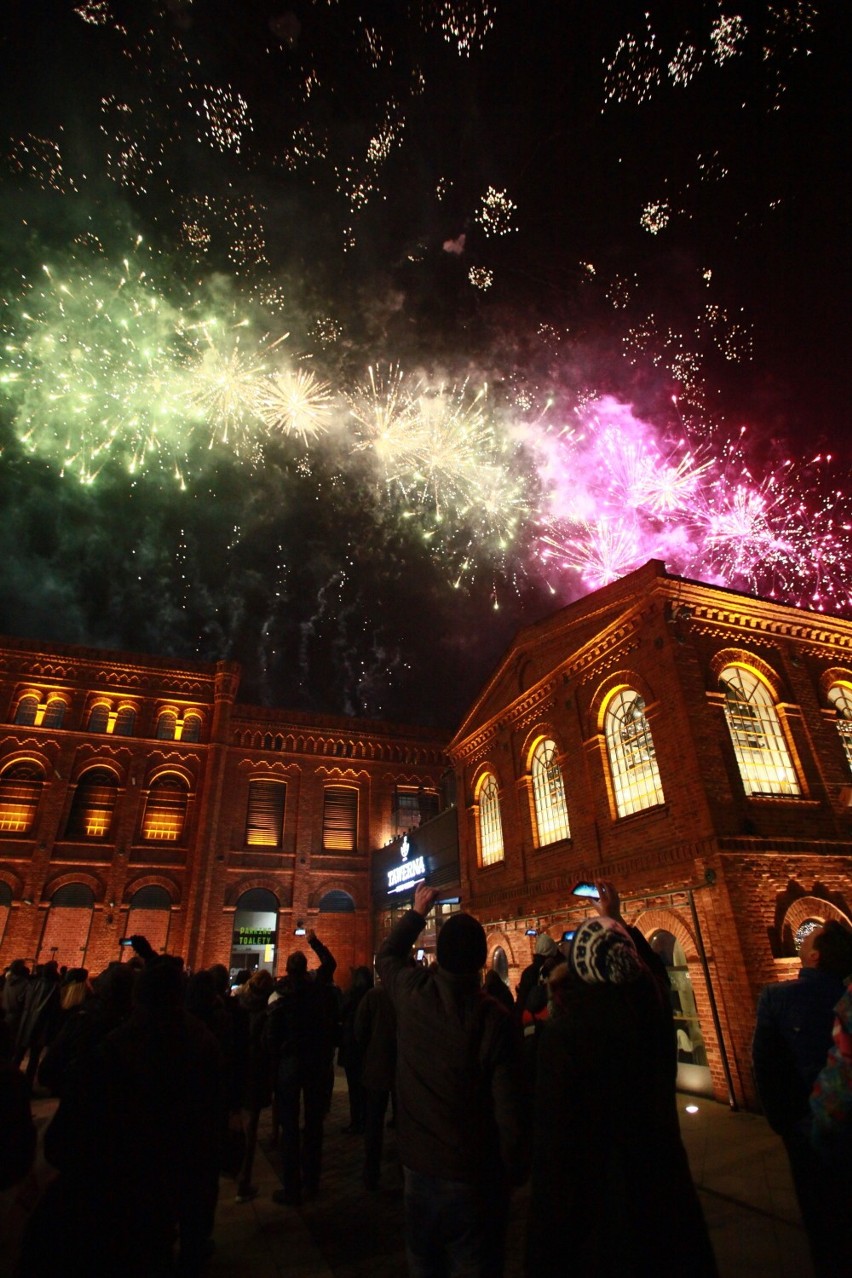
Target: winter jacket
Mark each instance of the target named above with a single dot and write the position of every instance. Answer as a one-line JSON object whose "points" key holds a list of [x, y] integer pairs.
{"points": [[459, 1082], [792, 1036]]}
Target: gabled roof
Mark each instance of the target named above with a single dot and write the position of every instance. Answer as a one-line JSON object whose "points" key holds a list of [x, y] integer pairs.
{"points": [[557, 637]]}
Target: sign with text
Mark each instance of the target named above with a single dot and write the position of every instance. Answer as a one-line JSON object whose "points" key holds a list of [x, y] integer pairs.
{"points": [[404, 876]]}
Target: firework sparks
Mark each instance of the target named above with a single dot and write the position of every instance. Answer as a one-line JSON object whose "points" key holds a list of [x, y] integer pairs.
{"points": [[296, 403]]}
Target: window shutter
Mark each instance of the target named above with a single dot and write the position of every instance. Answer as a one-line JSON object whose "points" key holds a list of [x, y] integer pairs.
{"points": [[92, 809], [165, 811], [340, 819], [265, 819], [20, 791]]}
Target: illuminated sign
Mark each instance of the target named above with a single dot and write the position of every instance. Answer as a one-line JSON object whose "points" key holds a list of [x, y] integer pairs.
{"points": [[254, 936], [405, 876]]}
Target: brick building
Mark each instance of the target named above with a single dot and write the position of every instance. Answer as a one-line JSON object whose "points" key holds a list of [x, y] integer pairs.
{"points": [[689, 742], [138, 795], [694, 745]]}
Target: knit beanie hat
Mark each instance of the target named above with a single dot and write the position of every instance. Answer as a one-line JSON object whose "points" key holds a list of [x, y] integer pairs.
{"points": [[603, 951], [545, 945], [461, 945]]}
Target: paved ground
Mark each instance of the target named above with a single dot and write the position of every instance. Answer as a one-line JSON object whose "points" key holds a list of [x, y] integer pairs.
{"points": [[346, 1232]]}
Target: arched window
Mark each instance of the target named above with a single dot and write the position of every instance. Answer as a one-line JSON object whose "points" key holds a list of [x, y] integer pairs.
{"points": [[20, 791], [166, 724], [265, 816], [336, 902], [340, 818], [152, 897], [125, 722], [191, 730], [165, 810], [54, 714], [93, 805], [632, 757], [759, 745], [73, 896], [490, 825], [99, 719], [840, 696], [500, 963], [25, 715], [551, 812]]}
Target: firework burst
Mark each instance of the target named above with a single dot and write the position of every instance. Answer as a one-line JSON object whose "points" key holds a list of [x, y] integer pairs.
{"points": [[296, 403]]}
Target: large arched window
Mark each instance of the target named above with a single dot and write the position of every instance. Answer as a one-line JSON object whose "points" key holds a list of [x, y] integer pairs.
{"points": [[632, 757], [54, 713], [490, 825], [99, 718], [336, 902], [840, 696], [20, 791], [93, 805], [166, 724], [191, 728], [551, 812], [27, 710], [759, 745], [165, 810], [125, 722]]}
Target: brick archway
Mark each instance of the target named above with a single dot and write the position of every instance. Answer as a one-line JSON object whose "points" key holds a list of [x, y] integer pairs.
{"points": [[811, 907]]}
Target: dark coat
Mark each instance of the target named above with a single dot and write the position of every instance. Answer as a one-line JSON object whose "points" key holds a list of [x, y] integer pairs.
{"points": [[610, 1173], [459, 1083], [14, 997], [792, 1036], [375, 1032]]}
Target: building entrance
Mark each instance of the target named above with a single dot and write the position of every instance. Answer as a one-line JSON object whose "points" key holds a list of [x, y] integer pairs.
{"points": [[255, 936], [693, 1071]]}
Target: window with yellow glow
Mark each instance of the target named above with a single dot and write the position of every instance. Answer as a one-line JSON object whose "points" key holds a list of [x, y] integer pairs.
{"points": [[265, 817], [551, 811], [840, 696], [632, 757], [20, 791], [340, 819], [490, 825], [165, 811], [93, 805], [759, 745]]}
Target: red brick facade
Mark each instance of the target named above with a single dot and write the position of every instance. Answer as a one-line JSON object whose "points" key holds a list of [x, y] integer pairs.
{"points": [[729, 875], [144, 734]]}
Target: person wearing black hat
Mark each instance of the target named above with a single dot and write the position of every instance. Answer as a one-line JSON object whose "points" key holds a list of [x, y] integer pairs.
{"points": [[460, 1126]]}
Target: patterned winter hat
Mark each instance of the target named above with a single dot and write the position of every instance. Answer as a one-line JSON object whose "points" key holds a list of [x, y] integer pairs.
{"points": [[603, 951]]}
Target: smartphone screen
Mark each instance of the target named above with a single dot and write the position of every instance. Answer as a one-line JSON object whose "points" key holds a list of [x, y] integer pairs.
{"points": [[586, 889]]}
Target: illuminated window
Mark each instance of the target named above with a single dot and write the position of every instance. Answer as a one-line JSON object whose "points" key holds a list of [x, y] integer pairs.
{"points": [[762, 755], [632, 757], [20, 791], [265, 819], [93, 805], [340, 818], [166, 724], [165, 811], [54, 713], [406, 809], [551, 812], [840, 696], [99, 719], [191, 728], [125, 722], [27, 711], [490, 826]]}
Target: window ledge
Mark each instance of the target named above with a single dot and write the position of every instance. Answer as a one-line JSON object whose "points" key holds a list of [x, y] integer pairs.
{"points": [[657, 809], [783, 800]]}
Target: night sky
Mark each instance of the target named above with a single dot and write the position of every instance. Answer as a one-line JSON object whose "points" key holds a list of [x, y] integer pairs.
{"points": [[343, 339]]}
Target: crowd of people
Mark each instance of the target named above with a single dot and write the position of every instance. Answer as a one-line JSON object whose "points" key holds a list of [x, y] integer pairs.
{"points": [[162, 1075]]}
